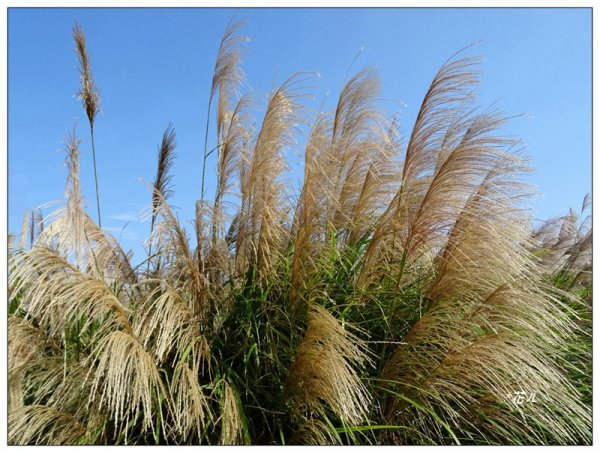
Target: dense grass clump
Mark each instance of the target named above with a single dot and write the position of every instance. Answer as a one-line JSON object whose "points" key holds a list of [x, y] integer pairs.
{"points": [[398, 296]]}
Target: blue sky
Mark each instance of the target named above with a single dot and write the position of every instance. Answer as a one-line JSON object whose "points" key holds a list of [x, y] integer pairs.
{"points": [[154, 66]]}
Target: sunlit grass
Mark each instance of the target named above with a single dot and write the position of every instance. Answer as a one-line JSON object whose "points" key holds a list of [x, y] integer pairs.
{"points": [[398, 296]]}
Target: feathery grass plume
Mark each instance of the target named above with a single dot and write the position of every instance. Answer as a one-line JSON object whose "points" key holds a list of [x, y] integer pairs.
{"points": [[232, 422], [227, 78], [450, 89], [564, 245], [43, 375], [169, 328], [263, 221], [309, 224], [88, 92], [325, 371], [39, 222], [15, 390], [63, 383], [66, 232], [355, 145], [314, 432], [191, 407], [466, 165], [41, 424], [558, 241], [176, 258], [234, 135], [26, 344], [55, 293], [239, 229], [72, 236], [109, 261], [128, 380], [162, 183], [100, 254], [493, 330], [228, 75], [34, 361], [492, 212], [378, 184], [200, 213], [459, 374], [89, 95]]}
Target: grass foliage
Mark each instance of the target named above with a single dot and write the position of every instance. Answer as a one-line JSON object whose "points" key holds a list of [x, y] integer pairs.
{"points": [[399, 295]]}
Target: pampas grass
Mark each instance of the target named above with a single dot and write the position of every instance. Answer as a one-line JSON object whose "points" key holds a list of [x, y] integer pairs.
{"points": [[398, 295], [89, 95]]}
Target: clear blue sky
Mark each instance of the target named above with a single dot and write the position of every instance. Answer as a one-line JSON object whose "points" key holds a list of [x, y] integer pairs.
{"points": [[154, 66]]}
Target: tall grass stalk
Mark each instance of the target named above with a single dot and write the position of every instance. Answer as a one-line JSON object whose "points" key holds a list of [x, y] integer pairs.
{"points": [[90, 97]]}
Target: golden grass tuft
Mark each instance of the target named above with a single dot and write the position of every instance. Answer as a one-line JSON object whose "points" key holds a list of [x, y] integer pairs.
{"points": [[326, 370], [43, 425], [127, 379]]}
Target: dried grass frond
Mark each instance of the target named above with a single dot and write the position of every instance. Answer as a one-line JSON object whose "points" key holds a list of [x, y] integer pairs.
{"points": [[309, 225], [167, 325], [36, 225], [234, 136], [26, 346], [191, 406], [64, 384], [227, 78], [127, 379], [232, 423], [109, 261], [449, 90], [88, 92], [464, 361], [228, 74], [71, 237], [355, 144], [25, 343], [71, 394], [489, 332], [43, 425], [166, 156], [314, 432], [77, 237], [325, 371], [15, 390], [438, 124], [261, 232], [379, 182], [175, 259], [36, 367], [564, 244], [485, 246], [54, 293], [456, 179]]}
